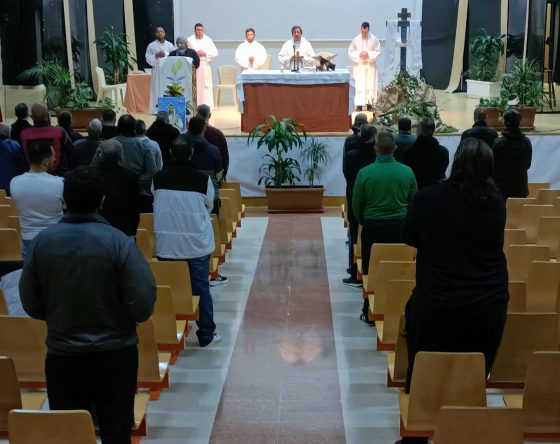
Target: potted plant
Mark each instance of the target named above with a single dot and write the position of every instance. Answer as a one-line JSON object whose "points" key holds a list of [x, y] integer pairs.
{"points": [[523, 88], [494, 107], [56, 78], [79, 104], [314, 156], [118, 55], [281, 169], [485, 51]]}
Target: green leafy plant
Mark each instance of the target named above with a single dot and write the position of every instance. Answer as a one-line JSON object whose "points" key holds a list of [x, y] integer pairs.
{"points": [[523, 85], [493, 102], [280, 137], [56, 78], [118, 55], [485, 52], [314, 156], [106, 102], [175, 90], [79, 97]]}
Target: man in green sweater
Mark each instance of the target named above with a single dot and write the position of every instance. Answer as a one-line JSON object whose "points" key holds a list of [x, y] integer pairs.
{"points": [[380, 200]]}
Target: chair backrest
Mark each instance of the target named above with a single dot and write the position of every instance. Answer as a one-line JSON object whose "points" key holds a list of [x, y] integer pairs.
{"points": [[10, 245], [517, 297], [51, 427], [542, 286], [235, 197], [401, 353], [398, 294], [164, 316], [541, 398], [3, 193], [529, 219], [225, 218], [444, 379], [227, 74], [547, 196], [524, 333], [100, 74], [514, 207], [5, 211], [389, 252], [535, 187], [175, 274], [517, 236], [3, 306], [519, 257], [388, 271], [480, 425], [10, 397], [548, 233], [144, 243], [147, 223], [217, 237], [23, 340], [266, 65], [229, 204], [148, 362]]}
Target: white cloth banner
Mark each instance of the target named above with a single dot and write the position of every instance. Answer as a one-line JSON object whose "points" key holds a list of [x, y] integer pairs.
{"points": [[295, 78], [392, 50]]}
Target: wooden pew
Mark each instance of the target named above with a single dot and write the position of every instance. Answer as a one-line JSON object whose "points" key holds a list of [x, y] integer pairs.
{"points": [[519, 257], [10, 245], [170, 333], [397, 361], [398, 294], [153, 367], [548, 233], [514, 208]]}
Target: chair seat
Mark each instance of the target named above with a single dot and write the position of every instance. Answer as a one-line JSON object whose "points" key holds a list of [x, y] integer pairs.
{"points": [[404, 401]]}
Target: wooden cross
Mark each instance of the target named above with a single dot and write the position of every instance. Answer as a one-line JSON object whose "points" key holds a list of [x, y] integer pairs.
{"points": [[403, 23]]}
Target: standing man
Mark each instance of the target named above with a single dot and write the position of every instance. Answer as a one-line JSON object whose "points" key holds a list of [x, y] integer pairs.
{"points": [[250, 54], [206, 50], [363, 51], [183, 50], [480, 130], [91, 289], [214, 136], [297, 48], [156, 50]]}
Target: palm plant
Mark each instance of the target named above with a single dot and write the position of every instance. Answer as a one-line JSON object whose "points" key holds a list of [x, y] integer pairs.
{"points": [[524, 84], [485, 51], [314, 157], [117, 53], [56, 78]]}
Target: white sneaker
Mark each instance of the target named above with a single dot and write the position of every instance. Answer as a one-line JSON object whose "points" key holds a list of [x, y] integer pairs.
{"points": [[215, 340]]}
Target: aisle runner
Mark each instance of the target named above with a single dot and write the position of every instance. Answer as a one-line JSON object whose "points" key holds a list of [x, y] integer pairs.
{"points": [[282, 385]]}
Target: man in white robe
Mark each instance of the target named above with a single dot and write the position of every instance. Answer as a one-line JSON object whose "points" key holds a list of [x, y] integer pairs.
{"points": [[156, 50], [250, 54], [363, 51], [297, 49], [206, 50]]}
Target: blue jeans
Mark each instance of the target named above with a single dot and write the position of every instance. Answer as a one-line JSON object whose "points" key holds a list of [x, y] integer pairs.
{"points": [[198, 269]]}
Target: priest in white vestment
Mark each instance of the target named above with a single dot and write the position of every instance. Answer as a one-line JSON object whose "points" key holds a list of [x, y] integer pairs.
{"points": [[297, 46], [363, 51], [156, 50], [206, 50], [250, 54]]}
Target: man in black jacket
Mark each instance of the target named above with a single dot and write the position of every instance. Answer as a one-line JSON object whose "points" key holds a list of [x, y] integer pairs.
{"points": [[480, 130], [91, 284], [163, 133], [85, 148], [427, 158]]}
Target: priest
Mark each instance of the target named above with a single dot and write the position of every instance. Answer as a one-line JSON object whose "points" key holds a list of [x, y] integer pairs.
{"points": [[297, 49], [156, 50], [250, 54], [184, 51], [363, 51], [207, 51]]}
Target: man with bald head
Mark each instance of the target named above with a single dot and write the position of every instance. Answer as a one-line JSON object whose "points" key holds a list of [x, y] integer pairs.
{"points": [[43, 130], [480, 129]]}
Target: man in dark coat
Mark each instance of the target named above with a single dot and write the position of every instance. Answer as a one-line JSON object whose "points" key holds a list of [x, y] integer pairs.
{"points": [[353, 141], [480, 130], [404, 139], [163, 133], [512, 158], [215, 136], [85, 149]]}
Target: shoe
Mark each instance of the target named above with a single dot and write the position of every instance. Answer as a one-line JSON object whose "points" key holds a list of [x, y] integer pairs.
{"points": [[366, 321], [215, 340], [352, 282], [220, 280]]}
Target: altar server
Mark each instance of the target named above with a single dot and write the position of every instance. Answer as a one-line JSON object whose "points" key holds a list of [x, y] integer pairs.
{"points": [[250, 54], [207, 51]]}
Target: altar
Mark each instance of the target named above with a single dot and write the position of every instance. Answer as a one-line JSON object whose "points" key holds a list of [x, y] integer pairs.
{"points": [[319, 101]]}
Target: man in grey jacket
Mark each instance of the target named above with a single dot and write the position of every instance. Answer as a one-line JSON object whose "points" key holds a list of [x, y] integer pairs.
{"points": [[91, 285]]}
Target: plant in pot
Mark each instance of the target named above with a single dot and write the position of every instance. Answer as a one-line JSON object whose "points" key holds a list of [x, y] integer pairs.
{"points": [[523, 88], [485, 51], [56, 78], [118, 55], [314, 156], [494, 107], [280, 169]]}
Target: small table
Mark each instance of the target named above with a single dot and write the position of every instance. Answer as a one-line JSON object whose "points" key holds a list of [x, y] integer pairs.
{"points": [[137, 97], [319, 101]]}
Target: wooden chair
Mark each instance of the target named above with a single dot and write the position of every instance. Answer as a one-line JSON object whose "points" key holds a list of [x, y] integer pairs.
{"points": [[517, 236], [547, 196], [175, 274], [219, 246], [152, 366], [229, 206], [514, 208], [3, 193], [224, 220], [10, 245], [51, 427], [13, 222], [377, 290], [519, 257], [237, 187], [169, 332], [397, 361], [517, 297], [387, 252], [5, 212], [529, 219], [535, 187], [357, 258], [542, 286], [398, 294], [548, 233], [147, 223], [441, 379], [144, 243], [540, 400], [226, 80], [524, 333], [12, 204], [3, 305], [480, 425], [237, 207], [23, 340], [10, 395]]}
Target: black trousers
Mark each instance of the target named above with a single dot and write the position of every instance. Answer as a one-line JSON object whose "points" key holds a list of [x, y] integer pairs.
{"points": [[353, 226], [103, 383], [382, 231]]}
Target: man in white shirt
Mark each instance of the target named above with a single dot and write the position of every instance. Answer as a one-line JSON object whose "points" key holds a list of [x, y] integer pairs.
{"points": [[250, 54], [37, 194], [206, 50], [156, 50], [363, 51], [297, 49]]}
